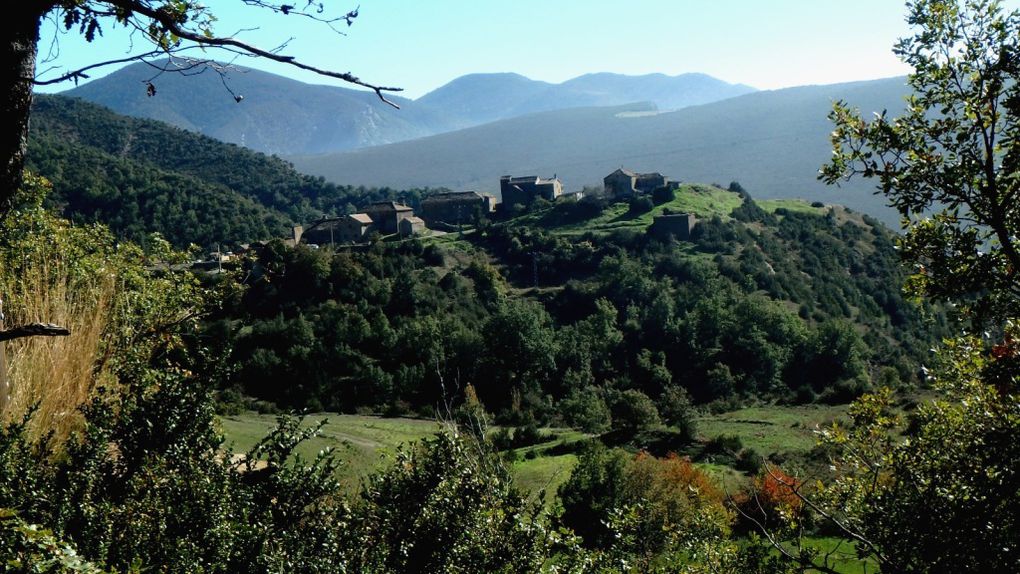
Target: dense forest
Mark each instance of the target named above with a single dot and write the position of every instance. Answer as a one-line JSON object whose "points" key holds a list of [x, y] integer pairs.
{"points": [[142, 176], [794, 306]]}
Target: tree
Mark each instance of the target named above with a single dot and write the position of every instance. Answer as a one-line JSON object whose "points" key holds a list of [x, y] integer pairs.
{"points": [[169, 28], [446, 505], [633, 412], [941, 493], [954, 153]]}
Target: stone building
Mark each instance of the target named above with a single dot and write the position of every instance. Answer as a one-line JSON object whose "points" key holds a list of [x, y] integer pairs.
{"points": [[355, 228], [411, 226], [625, 183], [456, 208], [524, 190], [386, 215], [677, 225], [344, 229]]}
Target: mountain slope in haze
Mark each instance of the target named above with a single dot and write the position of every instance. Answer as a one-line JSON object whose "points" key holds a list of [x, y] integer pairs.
{"points": [[139, 176], [282, 116], [772, 142], [277, 115], [481, 98], [604, 89]]}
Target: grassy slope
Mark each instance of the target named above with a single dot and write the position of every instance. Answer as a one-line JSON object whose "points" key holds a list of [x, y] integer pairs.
{"points": [[772, 429], [366, 443], [363, 443], [702, 200]]}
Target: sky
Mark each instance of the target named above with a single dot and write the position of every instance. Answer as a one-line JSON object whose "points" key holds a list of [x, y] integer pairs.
{"points": [[419, 45]]}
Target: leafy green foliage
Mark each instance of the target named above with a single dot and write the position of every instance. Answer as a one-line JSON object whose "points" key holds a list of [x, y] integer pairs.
{"points": [[406, 326], [445, 507], [640, 507], [29, 548], [950, 488], [952, 155]]}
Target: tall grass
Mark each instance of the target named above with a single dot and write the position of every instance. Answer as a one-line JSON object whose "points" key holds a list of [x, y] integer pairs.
{"points": [[119, 312], [56, 374], [54, 272]]}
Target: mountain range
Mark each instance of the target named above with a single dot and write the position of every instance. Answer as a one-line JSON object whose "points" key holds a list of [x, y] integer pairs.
{"points": [[469, 132], [772, 142], [278, 115]]}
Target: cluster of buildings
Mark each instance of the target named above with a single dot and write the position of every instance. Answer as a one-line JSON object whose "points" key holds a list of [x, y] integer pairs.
{"points": [[623, 183], [439, 211], [449, 211]]}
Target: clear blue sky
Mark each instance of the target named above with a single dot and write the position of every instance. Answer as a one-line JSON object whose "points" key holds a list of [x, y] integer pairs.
{"points": [[420, 45]]}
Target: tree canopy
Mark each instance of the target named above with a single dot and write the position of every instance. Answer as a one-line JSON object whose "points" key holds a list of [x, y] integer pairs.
{"points": [[951, 161]]}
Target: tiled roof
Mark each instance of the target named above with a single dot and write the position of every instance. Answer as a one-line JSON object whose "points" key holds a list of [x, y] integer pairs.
{"points": [[453, 196], [387, 205]]}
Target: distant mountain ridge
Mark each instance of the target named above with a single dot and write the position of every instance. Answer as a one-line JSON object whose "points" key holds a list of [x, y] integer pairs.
{"points": [[277, 115], [773, 142], [282, 116], [483, 98]]}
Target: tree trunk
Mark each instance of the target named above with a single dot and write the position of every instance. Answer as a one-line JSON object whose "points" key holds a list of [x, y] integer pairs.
{"points": [[21, 36], [5, 384]]}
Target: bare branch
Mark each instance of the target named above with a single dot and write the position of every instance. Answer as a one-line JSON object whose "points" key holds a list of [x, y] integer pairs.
{"points": [[34, 330], [80, 74], [795, 489], [169, 24]]}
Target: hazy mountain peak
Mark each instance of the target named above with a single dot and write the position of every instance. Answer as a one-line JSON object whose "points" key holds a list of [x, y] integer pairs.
{"points": [[284, 116]]}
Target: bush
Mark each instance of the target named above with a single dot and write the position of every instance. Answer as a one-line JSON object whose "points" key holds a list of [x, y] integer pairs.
{"points": [[677, 410], [640, 505], [641, 204], [662, 195], [729, 444], [585, 409], [633, 411], [444, 506], [770, 500]]}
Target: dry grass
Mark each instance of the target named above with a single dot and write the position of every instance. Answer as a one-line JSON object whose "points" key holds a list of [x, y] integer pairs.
{"points": [[57, 374]]}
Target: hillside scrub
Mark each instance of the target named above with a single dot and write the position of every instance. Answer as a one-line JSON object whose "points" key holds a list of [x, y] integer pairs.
{"points": [[801, 307]]}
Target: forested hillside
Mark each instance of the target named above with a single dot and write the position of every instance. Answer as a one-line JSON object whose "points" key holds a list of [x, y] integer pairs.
{"points": [[140, 176], [688, 380], [574, 309]]}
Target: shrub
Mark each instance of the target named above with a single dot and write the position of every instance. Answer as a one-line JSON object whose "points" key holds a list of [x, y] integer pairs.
{"points": [[640, 505], [633, 411], [444, 506], [641, 204], [677, 410], [771, 500], [662, 195], [585, 409]]}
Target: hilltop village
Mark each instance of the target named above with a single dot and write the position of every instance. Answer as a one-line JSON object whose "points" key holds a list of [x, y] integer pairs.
{"points": [[451, 211]]}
